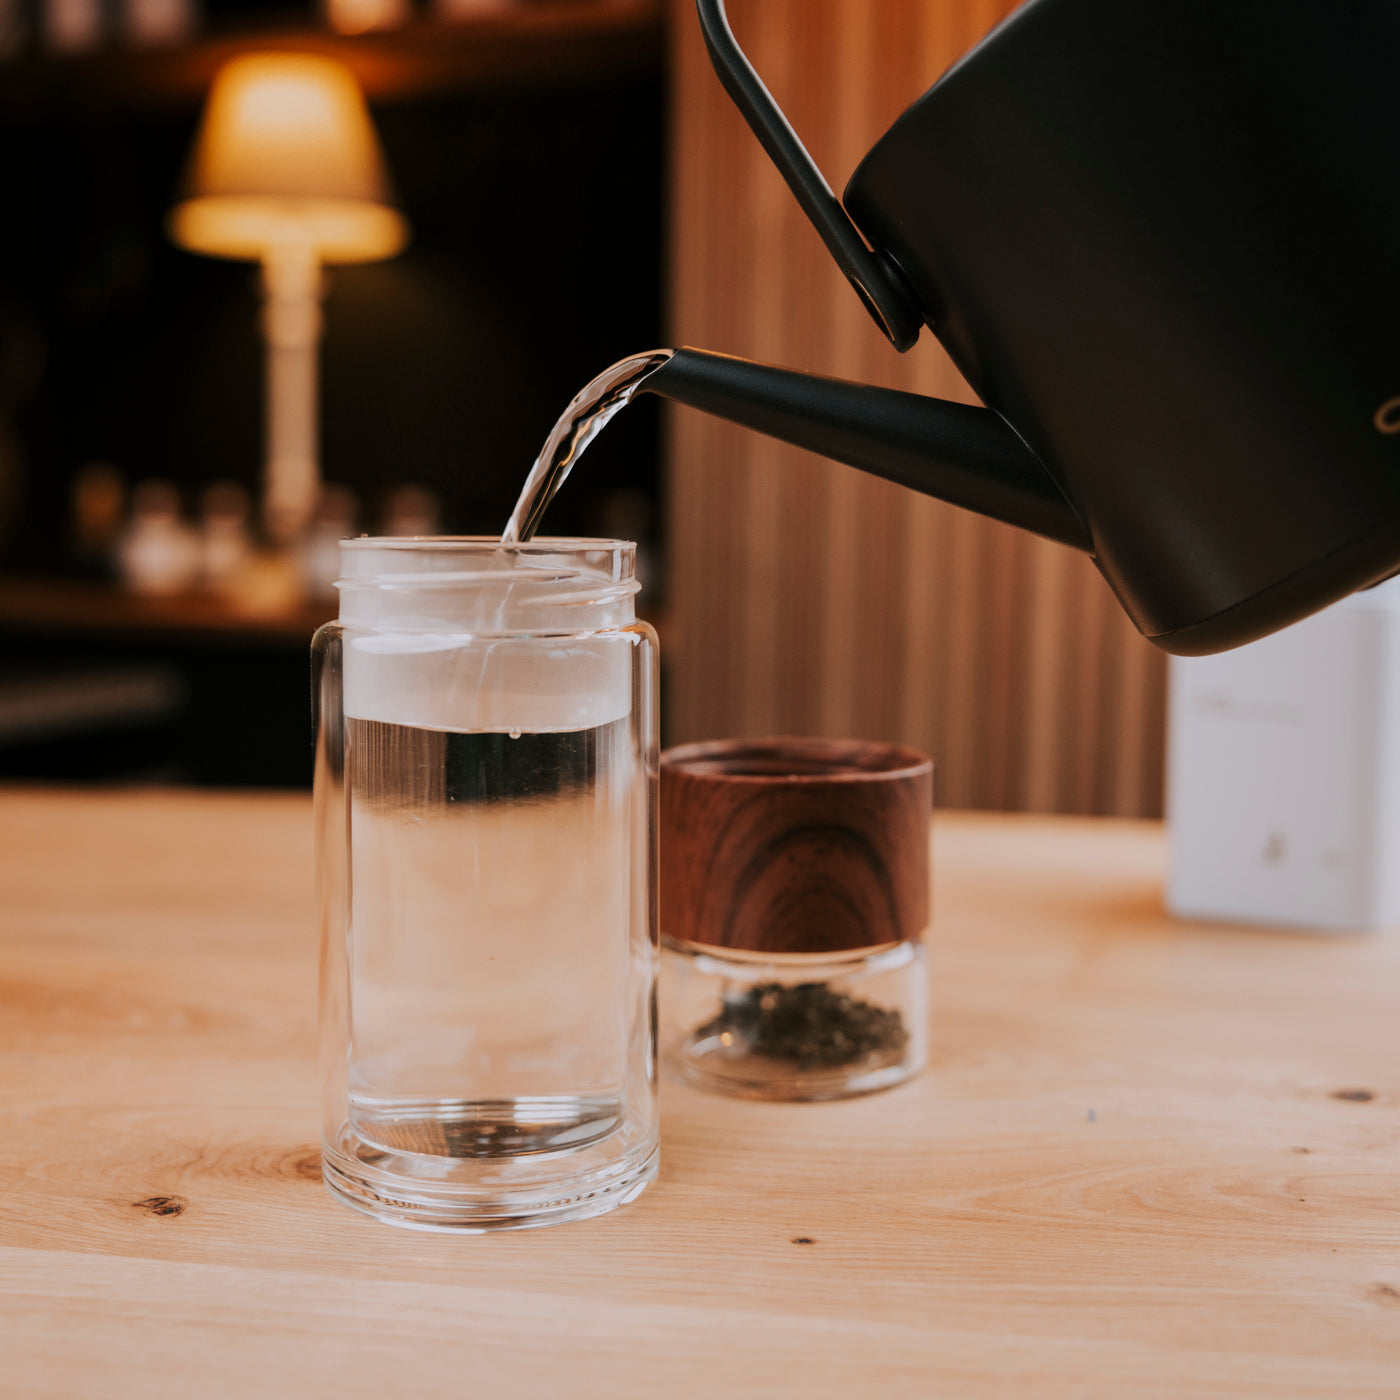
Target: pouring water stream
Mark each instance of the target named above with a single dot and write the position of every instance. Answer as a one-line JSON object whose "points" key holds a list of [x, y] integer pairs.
{"points": [[588, 413]]}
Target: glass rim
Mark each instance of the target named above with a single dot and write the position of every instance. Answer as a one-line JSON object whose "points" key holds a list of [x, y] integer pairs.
{"points": [[795, 761], [541, 544]]}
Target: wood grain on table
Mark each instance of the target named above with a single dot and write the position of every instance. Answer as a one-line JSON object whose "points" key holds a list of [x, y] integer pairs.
{"points": [[1149, 1159]]}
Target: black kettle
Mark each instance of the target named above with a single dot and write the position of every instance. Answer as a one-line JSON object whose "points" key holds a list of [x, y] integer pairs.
{"points": [[1161, 240]]}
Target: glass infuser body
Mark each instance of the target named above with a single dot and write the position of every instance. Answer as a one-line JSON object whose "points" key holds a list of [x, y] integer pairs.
{"points": [[485, 785]]}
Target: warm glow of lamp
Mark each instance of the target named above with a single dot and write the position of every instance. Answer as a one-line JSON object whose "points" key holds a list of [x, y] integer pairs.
{"points": [[287, 171], [364, 16], [286, 153]]}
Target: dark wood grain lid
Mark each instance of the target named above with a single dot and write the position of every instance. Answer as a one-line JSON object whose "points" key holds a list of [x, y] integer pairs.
{"points": [[795, 845]]}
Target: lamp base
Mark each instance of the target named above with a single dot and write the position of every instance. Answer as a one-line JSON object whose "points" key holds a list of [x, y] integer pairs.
{"points": [[292, 326]]}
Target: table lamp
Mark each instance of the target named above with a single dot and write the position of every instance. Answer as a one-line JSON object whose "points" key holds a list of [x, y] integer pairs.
{"points": [[287, 171]]}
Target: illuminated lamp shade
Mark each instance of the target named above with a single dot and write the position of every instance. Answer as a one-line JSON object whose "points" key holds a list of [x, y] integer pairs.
{"points": [[287, 153], [287, 171]]}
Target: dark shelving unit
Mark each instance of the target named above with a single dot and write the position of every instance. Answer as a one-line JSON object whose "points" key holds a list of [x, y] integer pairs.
{"points": [[550, 44], [526, 143]]}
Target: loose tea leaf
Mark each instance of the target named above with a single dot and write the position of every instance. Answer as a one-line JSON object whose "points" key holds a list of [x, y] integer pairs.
{"points": [[809, 1025]]}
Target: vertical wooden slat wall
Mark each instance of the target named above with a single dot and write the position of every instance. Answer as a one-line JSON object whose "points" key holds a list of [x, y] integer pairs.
{"points": [[808, 598]]}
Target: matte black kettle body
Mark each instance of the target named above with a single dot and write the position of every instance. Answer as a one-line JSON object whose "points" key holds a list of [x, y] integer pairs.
{"points": [[1161, 240]]}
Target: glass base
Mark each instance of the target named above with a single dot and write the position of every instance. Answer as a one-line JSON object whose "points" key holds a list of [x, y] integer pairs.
{"points": [[470, 1129], [793, 1026], [479, 1193]]}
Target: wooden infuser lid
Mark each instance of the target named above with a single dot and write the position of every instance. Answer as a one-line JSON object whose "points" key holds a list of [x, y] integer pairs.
{"points": [[795, 845]]}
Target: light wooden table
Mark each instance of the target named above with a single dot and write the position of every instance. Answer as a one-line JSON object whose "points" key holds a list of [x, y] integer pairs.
{"points": [[1149, 1159]]}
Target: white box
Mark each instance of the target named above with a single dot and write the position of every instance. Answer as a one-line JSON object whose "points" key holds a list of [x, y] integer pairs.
{"points": [[1283, 773]]}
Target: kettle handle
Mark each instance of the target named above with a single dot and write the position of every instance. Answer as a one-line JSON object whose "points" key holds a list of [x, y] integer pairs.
{"points": [[877, 282]]}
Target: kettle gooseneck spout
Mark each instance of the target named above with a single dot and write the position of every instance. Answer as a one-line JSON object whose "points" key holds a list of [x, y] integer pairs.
{"points": [[967, 456]]}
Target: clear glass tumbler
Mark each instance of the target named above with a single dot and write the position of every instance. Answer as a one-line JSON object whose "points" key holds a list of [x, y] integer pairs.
{"points": [[485, 791]]}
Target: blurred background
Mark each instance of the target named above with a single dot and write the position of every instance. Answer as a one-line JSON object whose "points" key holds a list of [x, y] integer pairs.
{"points": [[577, 188]]}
